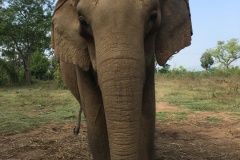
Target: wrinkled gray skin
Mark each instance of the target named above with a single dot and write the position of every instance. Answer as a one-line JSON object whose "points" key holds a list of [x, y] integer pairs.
{"points": [[106, 50]]}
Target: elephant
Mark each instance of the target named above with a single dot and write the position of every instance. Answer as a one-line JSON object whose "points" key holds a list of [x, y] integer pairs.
{"points": [[106, 50]]}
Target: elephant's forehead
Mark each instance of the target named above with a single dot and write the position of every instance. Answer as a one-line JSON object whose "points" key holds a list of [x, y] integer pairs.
{"points": [[138, 3], [115, 8]]}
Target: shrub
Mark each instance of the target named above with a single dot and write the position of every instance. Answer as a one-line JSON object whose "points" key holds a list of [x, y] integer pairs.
{"points": [[58, 76]]}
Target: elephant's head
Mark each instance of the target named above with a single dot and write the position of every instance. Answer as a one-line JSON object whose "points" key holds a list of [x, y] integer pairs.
{"points": [[117, 39], [168, 20]]}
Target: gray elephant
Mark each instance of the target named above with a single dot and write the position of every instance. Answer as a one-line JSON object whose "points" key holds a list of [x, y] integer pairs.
{"points": [[106, 50]]}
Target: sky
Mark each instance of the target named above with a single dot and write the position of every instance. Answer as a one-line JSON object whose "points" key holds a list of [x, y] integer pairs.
{"points": [[212, 21]]}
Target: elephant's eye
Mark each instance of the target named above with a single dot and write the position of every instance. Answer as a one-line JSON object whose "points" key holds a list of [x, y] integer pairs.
{"points": [[153, 17], [152, 22], [83, 21], [85, 28]]}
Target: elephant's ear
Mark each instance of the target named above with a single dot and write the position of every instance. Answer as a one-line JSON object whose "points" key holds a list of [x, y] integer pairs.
{"points": [[69, 46], [175, 30]]}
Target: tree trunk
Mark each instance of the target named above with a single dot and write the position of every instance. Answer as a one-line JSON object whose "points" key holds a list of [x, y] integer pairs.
{"points": [[27, 70], [27, 76]]}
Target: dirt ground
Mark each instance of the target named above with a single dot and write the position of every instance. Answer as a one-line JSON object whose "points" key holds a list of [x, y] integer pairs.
{"points": [[190, 139]]}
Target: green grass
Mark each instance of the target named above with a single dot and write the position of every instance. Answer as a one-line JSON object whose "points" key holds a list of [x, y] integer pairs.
{"points": [[25, 107], [181, 116], [162, 116], [200, 93], [235, 114], [214, 119], [176, 116]]}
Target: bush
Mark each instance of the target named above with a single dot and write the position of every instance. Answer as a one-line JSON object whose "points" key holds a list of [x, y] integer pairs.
{"points": [[234, 71], [3, 77], [8, 74], [58, 76], [182, 72], [39, 65]]}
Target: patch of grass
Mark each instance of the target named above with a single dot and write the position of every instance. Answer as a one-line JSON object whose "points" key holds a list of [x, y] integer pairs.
{"points": [[162, 116], [235, 114], [213, 119], [24, 107], [201, 93], [181, 116]]}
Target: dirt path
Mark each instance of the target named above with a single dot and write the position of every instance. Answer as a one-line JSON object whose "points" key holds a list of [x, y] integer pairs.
{"points": [[191, 139]]}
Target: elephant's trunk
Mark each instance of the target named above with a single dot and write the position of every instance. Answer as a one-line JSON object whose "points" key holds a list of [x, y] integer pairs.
{"points": [[122, 96], [121, 79]]}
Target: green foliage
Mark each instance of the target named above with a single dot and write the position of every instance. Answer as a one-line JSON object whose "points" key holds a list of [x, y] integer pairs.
{"points": [[180, 71], [4, 79], [212, 72], [8, 74], [164, 69], [58, 75], [226, 53], [207, 60], [234, 71], [39, 65], [24, 28]]}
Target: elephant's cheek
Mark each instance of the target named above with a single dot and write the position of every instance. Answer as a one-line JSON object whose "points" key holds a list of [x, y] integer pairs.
{"points": [[121, 83]]}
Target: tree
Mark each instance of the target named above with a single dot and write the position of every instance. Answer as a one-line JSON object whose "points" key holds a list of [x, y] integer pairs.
{"points": [[226, 53], [207, 60], [7, 72], [24, 28], [39, 65], [165, 68]]}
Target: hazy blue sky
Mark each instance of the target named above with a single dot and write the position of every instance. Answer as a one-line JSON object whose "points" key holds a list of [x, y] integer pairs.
{"points": [[212, 20]]}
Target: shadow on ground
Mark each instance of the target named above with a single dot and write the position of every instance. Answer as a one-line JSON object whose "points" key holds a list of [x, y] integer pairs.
{"points": [[174, 141]]}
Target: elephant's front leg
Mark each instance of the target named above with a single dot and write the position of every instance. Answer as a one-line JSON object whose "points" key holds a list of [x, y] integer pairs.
{"points": [[93, 108]]}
